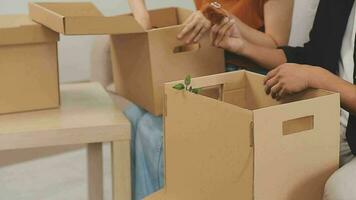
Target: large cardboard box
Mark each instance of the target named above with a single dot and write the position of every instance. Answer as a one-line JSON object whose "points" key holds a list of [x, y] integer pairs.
{"points": [[246, 145], [143, 62], [28, 65]]}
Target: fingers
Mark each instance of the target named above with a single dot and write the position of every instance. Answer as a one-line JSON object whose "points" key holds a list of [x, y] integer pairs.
{"points": [[275, 90], [202, 31], [218, 31], [198, 28], [270, 84], [187, 29], [189, 19], [196, 25], [213, 34], [271, 74], [223, 30], [281, 94]]}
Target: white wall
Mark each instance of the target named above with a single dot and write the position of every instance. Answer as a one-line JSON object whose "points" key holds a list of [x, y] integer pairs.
{"points": [[74, 52]]}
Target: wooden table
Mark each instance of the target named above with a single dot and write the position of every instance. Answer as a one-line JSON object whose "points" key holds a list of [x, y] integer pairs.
{"points": [[87, 116]]}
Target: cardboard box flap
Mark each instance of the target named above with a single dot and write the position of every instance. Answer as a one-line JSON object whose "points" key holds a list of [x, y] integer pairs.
{"points": [[20, 29], [81, 18]]}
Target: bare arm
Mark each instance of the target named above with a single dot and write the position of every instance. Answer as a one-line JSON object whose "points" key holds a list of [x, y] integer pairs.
{"points": [[140, 13], [277, 17], [266, 57], [323, 79], [235, 36]]}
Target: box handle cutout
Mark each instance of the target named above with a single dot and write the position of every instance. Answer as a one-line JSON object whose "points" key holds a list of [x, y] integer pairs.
{"points": [[298, 125], [215, 92], [186, 48]]}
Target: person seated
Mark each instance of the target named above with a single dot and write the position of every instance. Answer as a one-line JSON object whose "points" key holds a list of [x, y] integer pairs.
{"points": [[326, 62]]}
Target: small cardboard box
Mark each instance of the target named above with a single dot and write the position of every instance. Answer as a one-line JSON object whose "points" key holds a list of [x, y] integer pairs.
{"points": [[143, 62], [246, 145], [28, 65]]}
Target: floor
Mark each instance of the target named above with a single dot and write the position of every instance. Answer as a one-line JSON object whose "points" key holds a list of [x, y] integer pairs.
{"points": [[57, 173]]}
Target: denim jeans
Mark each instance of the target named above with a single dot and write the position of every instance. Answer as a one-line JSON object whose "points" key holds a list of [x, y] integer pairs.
{"points": [[147, 152]]}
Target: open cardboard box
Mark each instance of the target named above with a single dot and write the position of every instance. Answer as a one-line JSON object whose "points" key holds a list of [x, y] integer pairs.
{"points": [[143, 62], [242, 144], [28, 65]]}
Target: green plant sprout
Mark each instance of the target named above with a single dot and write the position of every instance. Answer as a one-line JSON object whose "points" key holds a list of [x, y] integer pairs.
{"points": [[187, 85]]}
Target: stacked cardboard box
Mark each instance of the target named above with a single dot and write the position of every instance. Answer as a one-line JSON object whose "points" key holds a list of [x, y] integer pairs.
{"points": [[28, 65]]}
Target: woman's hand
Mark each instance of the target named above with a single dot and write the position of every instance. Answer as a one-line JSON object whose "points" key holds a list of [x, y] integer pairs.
{"points": [[288, 79], [227, 36], [195, 27]]}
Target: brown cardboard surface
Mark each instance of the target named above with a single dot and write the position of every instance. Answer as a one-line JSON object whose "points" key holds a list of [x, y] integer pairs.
{"points": [[81, 18], [236, 149], [143, 62], [28, 65], [29, 83], [300, 163], [20, 29], [204, 162]]}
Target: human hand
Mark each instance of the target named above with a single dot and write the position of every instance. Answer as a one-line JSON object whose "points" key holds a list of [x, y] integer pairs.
{"points": [[227, 36], [288, 79], [194, 28]]}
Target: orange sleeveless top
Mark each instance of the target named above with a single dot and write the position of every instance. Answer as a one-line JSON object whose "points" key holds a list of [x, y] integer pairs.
{"points": [[248, 11]]}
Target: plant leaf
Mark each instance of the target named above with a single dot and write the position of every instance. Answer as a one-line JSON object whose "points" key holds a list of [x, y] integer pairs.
{"points": [[196, 90], [179, 86], [188, 80]]}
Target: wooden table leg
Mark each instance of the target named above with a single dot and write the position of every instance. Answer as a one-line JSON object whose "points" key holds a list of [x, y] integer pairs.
{"points": [[121, 168], [95, 171]]}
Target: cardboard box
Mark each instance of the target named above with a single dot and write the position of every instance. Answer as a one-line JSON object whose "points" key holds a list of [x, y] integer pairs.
{"points": [[248, 146], [143, 62], [82, 18], [28, 65]]}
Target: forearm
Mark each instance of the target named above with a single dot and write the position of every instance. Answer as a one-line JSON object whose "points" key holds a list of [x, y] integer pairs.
{"points": [[265, 57], [323, 79], [140, 13], [255, 36]]}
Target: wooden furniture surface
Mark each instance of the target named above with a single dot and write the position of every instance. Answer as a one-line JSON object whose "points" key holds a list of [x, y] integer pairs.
{"points": [[87, 116]]}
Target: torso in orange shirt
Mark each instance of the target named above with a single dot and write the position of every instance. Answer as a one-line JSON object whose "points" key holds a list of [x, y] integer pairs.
{"points": [[248, 11]]}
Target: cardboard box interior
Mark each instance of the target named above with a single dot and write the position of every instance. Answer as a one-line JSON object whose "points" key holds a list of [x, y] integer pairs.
{"points": [[161, 58], [245, 90]]}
